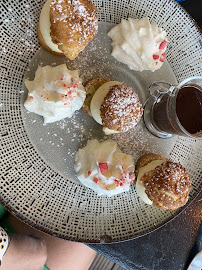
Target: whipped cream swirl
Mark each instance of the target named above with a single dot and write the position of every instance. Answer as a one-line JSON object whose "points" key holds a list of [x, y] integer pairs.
{"points": [[55, 93], [139, 44], [104, 168]]}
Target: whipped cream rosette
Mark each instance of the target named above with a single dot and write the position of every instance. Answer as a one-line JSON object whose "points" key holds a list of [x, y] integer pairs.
{"points": [[139, 44], [104, 168], [55, 93]]}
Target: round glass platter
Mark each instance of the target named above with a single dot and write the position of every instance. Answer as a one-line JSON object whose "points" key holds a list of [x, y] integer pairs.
{"points": [[58, 142], [38, 183]]}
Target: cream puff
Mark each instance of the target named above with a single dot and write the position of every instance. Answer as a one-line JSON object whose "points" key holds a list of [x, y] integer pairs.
{"points": [[103, 168], [161, 182], [116, 106], [66, 27]]}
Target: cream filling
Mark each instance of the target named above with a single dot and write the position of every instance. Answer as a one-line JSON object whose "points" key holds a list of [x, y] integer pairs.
{"points": [[139, 187], [97, 101], [44, 26], [108, 131]]}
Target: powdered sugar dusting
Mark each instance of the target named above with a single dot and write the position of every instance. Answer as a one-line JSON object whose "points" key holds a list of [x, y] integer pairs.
{"points": [[73, 25], [121, 109], [169, 185], [136, 142]]}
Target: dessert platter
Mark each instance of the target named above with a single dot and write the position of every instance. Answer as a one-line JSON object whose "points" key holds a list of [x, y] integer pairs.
{"points": [[77, 161]]}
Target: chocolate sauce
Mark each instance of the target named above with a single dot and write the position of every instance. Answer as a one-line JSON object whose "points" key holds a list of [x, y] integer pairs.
{"points": [[160, 116], [189, 108]]}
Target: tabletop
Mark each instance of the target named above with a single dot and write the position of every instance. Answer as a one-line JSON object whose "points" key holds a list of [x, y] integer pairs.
{"points": [[31, 187], [171, 246]]}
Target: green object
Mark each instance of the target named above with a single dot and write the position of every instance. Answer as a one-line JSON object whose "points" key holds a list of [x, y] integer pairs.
{"points": [[2, 211], [7, 227], [4, 221]]}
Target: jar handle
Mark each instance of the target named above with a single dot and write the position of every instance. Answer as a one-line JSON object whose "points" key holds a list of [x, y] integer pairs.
{"points": [[156, 89]]}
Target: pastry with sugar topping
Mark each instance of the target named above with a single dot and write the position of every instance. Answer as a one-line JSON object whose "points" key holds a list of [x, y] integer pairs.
{"points": [[67, 26], [116, 106], [55, 93], [103, 168], [161, 182], [139, 44]]}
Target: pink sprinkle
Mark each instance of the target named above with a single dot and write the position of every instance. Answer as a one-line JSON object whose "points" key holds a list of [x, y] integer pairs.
{"points": [[103, 167], [163, 45], [155, 56], [41, 95], [95, 180], [69, 92], [63, 96], [31, 97], [163, 57], [65, 85], [65, 103], [89, 173], [116, 182], [121, 184], [62, 78]]}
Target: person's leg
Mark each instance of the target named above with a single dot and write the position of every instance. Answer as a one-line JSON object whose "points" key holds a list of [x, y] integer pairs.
{"points": [[62, 254]]}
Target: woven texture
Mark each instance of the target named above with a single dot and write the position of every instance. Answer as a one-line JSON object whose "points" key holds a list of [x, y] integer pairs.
{"points": [[36, 193]]}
